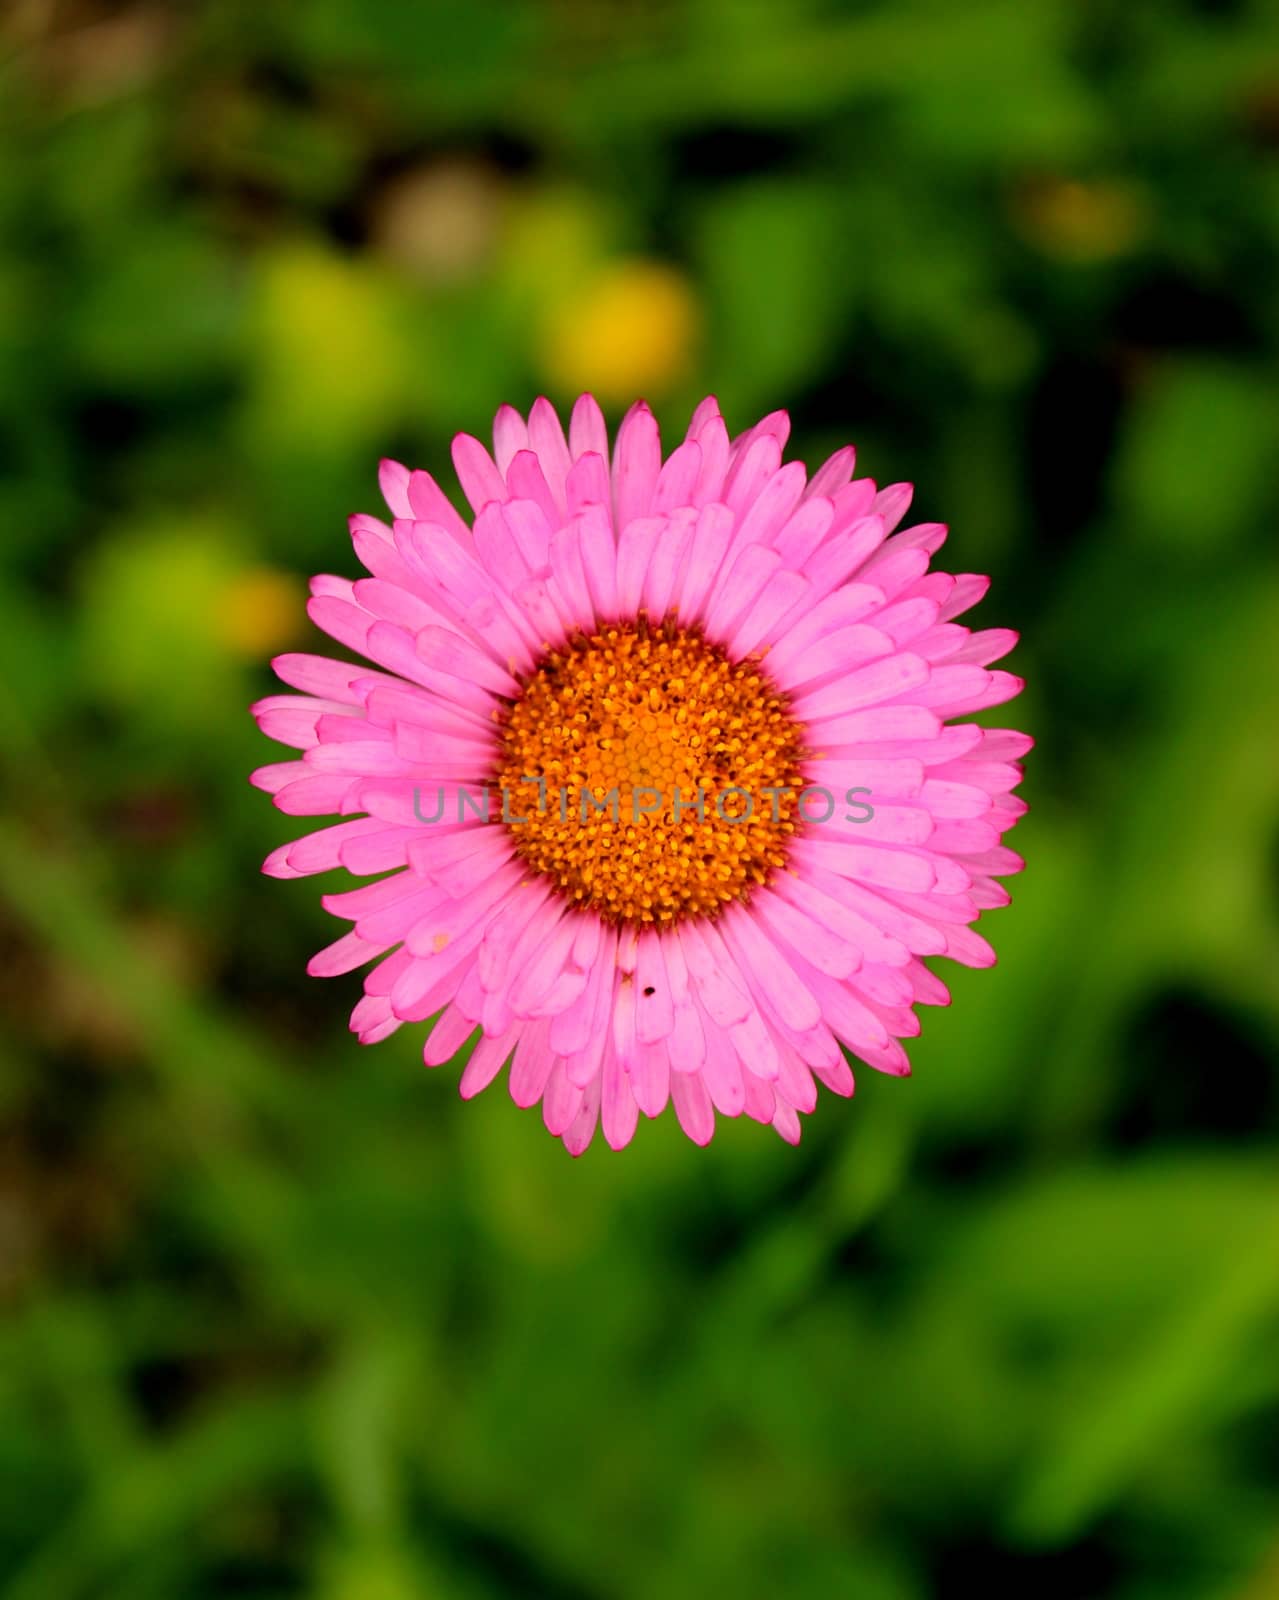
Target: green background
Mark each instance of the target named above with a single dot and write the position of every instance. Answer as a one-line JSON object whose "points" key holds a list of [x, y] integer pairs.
{"points": [[283, 1316]]}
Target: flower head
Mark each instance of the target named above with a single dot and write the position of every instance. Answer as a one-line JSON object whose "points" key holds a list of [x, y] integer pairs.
{"points": [[657, 775]]}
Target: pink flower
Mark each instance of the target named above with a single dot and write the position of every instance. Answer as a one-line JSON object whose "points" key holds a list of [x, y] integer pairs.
{"points": [[657, 780]]}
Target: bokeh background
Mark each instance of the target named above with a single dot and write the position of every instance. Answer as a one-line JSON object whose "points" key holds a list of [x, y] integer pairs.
{"points": [[281, 1316]]}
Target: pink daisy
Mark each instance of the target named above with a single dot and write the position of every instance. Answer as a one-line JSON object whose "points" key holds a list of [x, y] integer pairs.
{"points": [[658, 779]]}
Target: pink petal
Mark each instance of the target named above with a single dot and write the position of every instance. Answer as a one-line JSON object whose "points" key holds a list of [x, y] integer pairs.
{"points": [[705, 553], [487, 1060], [429, 503], [531, 1068], [343, 955], [588, 485], [637, 460], [655, 1013], [393, 480], [587, 433], [677, 481], [447, 1037], [561, 1101], [618, 1111], [599, 560], [635, 550], [693, 1107], [768, 970], [510, 434], [476, 472], [833, 473]]}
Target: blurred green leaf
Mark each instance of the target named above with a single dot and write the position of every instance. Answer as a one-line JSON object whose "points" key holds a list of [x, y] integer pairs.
{"points": [[1195, 470], [776, 307]]}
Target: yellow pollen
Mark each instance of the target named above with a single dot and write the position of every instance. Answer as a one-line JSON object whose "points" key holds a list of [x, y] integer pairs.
{"points": [[622, 724]]}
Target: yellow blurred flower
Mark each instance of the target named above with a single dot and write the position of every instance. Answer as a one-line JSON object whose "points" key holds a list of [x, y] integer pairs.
{"points": [[172, 610], [261, 612], [1080, 220], [633, 329]]}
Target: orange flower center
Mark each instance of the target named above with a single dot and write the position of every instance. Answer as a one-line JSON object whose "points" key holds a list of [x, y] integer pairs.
{"points": [[669, 774]]}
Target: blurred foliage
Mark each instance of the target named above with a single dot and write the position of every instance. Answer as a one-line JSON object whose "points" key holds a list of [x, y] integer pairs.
{"points": [[281, 1316]]}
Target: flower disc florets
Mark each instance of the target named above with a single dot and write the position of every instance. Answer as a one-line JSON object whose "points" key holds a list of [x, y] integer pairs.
{"points": [[648, 776]]}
